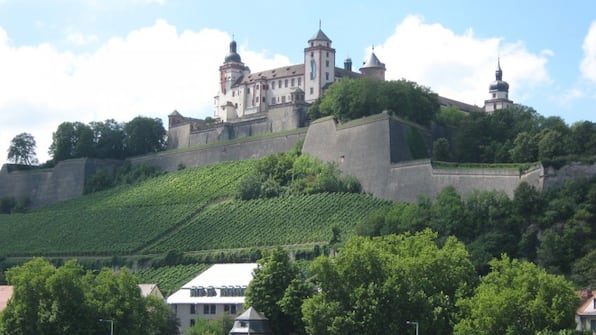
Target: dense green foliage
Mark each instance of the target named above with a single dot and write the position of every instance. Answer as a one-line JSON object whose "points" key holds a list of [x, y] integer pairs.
{"points": [[517, 297], [218, 326], [278, 290], [373, 286], [554, 229], [351, 99], [107, 139], [294, 174], [68, 300], [125, 174], [516, 134], [22, 149]]}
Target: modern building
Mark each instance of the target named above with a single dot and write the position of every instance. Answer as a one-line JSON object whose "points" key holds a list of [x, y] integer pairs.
{"points": [[242, 93], [216, 292], [499, 92]]}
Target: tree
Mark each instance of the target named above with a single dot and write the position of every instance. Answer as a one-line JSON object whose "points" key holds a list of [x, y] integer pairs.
{"points": [[71, 140], [517, 297], [50, 300], [441, 150], [277, 290], [374, 285], [211, 327], [108, 139], [22, 149], [144, 135]]}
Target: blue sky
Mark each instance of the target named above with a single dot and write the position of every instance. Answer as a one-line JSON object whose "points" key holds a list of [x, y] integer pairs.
{"points": [[91, 60]]}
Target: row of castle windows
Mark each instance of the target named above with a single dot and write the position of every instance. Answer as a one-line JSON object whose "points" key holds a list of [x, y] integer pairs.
{"points": [[292, 83]]}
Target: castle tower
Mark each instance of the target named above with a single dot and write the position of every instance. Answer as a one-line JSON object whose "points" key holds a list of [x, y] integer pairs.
{"points": [[231, 70], [373, 67], [319, 65], [348, 64], [499, 92]]}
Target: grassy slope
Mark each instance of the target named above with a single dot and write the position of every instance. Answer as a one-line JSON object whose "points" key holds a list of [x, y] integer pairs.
{"points": [[187, 210]]}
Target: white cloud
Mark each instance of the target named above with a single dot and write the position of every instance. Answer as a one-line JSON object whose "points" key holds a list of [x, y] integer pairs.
{"points": [[588, 63], [80, 39], [150, 72], [460, 66]]}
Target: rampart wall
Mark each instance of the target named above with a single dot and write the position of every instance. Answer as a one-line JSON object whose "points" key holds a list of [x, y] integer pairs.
{"points": [[375, 151], [378, 150], [246, 148], [42, 187]]}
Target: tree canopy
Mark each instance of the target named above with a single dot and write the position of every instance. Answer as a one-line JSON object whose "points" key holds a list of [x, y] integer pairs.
{"points": [[108, 139], [517, 297], [278, 290], [22, 149], [354, 98], [373, 286], [68, 300]]}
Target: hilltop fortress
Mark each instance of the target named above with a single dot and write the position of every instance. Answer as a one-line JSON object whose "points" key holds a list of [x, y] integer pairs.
{"points": [[384, 153]]}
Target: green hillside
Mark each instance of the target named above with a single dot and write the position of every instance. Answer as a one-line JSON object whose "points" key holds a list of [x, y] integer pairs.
{"points": [[187, 210]]}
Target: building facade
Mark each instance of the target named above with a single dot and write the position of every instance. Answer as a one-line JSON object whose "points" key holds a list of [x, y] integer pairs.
{"points": [[242, 93], [216, 292]]}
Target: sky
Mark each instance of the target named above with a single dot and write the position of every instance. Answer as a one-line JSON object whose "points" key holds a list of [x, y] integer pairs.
{"points": [[93, 60]]}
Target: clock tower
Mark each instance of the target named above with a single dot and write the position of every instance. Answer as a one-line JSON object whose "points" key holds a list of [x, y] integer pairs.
{"points": [[319, 66]]}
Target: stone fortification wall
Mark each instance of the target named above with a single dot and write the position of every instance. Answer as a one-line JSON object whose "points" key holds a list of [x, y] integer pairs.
{"points": [[247, 148], [276, 119], [43, 187], [557, 178], [366, 150]]}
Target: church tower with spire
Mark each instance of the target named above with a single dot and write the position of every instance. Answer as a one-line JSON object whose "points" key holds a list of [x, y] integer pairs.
{"points": [[319, 65], [499, 92]]}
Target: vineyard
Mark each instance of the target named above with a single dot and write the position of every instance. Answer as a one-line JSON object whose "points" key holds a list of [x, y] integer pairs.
{"points": [[121, 220], [192, 210], [276, 221]]}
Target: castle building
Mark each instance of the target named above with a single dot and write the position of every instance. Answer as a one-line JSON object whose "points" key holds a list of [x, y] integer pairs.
{"points": [[242, 93], [499, 92]]}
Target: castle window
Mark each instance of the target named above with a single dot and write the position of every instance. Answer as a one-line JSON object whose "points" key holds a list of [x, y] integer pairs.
{"points": [[312, 54], [312, 91], [273, 101], [326, 75], [299, 81], [193, 309], [233, 93], [273, 85], [327, 63], [248, 90], [263, 99], [192, 322], [283, 99], [292, 84], [286, 83], [327, 52], [494, 95], [257, 87], [279, 84]]}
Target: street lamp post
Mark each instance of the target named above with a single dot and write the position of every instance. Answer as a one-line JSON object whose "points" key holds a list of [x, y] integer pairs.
{"points": [[413, 323], [111, 325]]}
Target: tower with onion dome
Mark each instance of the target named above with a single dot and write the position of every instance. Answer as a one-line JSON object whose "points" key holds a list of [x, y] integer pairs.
{"points": [[499, 92]]}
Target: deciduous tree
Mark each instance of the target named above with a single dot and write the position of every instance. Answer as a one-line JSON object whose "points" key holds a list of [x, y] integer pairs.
{"points": [[517, 297], [22, 149]]}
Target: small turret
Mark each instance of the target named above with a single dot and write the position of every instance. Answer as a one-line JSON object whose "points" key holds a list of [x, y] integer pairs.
{"points": [[499, 92], [373, 67], [233, 56]]}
